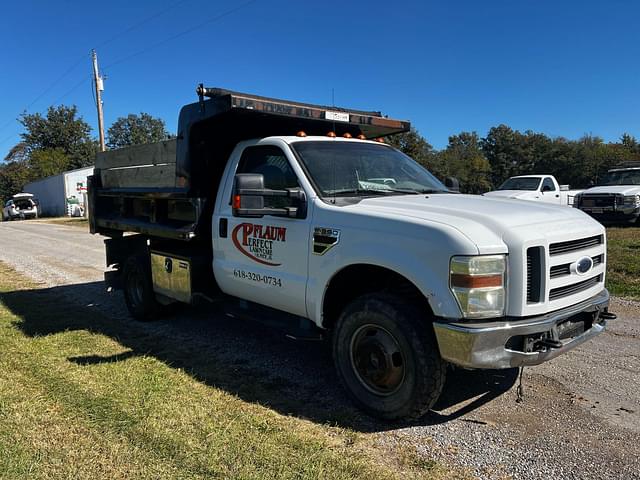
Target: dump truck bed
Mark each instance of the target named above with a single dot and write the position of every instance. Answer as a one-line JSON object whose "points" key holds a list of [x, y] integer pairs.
{"points": [[167, 189]]}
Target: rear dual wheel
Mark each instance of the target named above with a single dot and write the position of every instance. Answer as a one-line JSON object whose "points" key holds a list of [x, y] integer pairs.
{"points": [[387, 358], [138, 288]]}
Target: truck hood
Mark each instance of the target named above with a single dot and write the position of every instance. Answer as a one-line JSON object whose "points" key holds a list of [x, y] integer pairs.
{"points": [[512, 193], [620, 189], [484, 220]]}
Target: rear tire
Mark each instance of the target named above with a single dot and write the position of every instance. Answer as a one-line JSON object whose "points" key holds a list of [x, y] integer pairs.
{"points": [[138, 288], [387, 357]]}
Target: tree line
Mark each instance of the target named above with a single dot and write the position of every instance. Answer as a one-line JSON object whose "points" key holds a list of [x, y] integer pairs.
{"points": [[61, 140], [483, 163]]}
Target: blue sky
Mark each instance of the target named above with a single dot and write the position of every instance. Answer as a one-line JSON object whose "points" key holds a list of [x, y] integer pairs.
{"points": [[564, 68]]}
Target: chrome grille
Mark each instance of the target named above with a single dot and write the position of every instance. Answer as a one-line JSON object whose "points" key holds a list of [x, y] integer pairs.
{"points": [[565, 269], [567, 290], [560, 270], [573, 245], [595, 200]]}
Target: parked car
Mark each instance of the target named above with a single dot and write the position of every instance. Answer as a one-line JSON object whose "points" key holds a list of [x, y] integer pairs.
{"points": [[21, 206], [616, 198], [540, 188]]}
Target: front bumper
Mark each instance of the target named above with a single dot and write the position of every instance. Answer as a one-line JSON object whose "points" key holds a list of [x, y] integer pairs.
{"points": [[611, 215], [512, 342]]}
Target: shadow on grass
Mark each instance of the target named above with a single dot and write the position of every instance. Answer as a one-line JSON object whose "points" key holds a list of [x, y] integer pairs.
{"points": [[244, 358]]}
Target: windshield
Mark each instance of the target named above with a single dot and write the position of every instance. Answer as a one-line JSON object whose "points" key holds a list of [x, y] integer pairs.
{"points": [[626, 177], [354, 168], [521, 183]]}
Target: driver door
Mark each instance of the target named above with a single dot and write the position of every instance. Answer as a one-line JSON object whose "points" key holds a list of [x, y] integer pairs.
{"points": [[265, 259], [549, 192]]}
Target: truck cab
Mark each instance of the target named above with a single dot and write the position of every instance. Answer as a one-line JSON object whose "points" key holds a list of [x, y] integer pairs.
{"points": [[616, 198], [272, 206], [541, 188]]}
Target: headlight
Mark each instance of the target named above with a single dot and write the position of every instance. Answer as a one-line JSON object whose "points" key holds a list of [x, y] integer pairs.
{"points": [[478, 283], [576, 200], [632, 199]]}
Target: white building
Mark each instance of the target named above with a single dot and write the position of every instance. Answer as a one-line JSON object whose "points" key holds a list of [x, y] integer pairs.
{"points": [[62, 194]]}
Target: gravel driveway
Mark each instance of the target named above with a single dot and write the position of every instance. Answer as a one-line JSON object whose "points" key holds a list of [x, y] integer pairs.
{"points": [[580, 417]]}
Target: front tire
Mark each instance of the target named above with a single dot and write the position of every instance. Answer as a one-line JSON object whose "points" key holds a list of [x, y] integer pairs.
{"points": [[387, 357], [138, 288]]}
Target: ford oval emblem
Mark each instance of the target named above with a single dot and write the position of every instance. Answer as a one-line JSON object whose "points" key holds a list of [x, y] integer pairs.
{"points": [[583, 265]]}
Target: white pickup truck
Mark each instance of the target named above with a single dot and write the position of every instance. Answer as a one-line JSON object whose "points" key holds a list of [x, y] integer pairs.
{"points": [[277, 207], [539, 188], [616, 199]]}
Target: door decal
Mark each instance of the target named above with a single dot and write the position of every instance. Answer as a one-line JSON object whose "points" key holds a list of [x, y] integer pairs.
{"points": [[261, 243]]}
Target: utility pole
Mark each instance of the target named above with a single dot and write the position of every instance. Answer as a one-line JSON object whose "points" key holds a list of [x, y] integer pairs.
{"points": [[99, 89]]}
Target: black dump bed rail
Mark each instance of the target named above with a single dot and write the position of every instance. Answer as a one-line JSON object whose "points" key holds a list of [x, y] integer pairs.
{"points": [[167, 189]]}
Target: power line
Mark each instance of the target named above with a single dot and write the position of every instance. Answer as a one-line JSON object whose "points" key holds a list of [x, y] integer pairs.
{"points": [[141, 22], [180, 34], [47, 90], [83, 57], [208, 21], [71, 90], [61, 97]]}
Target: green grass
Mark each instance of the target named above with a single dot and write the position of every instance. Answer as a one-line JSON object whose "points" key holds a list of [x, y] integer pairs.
{"points": [[623, 262], [77, 403]]}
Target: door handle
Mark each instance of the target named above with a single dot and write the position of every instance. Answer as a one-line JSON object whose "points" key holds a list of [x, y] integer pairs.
{"points": [[222, 228]]}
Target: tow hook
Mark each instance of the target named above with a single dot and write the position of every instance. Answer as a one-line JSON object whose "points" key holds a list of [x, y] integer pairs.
{"points": [[551, 343], [608, 316]]}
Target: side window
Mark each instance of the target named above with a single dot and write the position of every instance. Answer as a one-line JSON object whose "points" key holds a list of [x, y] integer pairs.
{"points": [[272, 163], [547, 185]]}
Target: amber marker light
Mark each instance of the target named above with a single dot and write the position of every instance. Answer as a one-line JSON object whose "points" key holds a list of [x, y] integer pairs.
{"points": [[379, 140], [347, 135], [301, 134], [472, 281], [236, 201], [361, 137], [331, 134]]}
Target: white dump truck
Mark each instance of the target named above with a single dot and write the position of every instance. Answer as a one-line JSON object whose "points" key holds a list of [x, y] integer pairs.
{"points": [[283, 210], [539, 188]]}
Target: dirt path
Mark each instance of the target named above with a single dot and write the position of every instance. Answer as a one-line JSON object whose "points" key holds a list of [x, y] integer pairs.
{"points": [[580, 417]]}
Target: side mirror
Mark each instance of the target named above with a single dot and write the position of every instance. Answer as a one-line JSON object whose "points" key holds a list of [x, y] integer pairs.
{"points": [[249, 198], [452, 184], [546, 188]]}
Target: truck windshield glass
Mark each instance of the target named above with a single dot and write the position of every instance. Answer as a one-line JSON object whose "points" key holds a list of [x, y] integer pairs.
{"points": [[361, 169], [524, 183], [628, 177]]}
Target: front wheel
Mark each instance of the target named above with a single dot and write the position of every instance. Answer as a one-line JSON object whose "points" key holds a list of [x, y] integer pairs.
{"points": [[387, 358], [138, 288]]}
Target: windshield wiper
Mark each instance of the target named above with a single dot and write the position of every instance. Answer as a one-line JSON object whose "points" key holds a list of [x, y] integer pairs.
{"points": [[433, 190], [356, 191], [386, 191]]}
